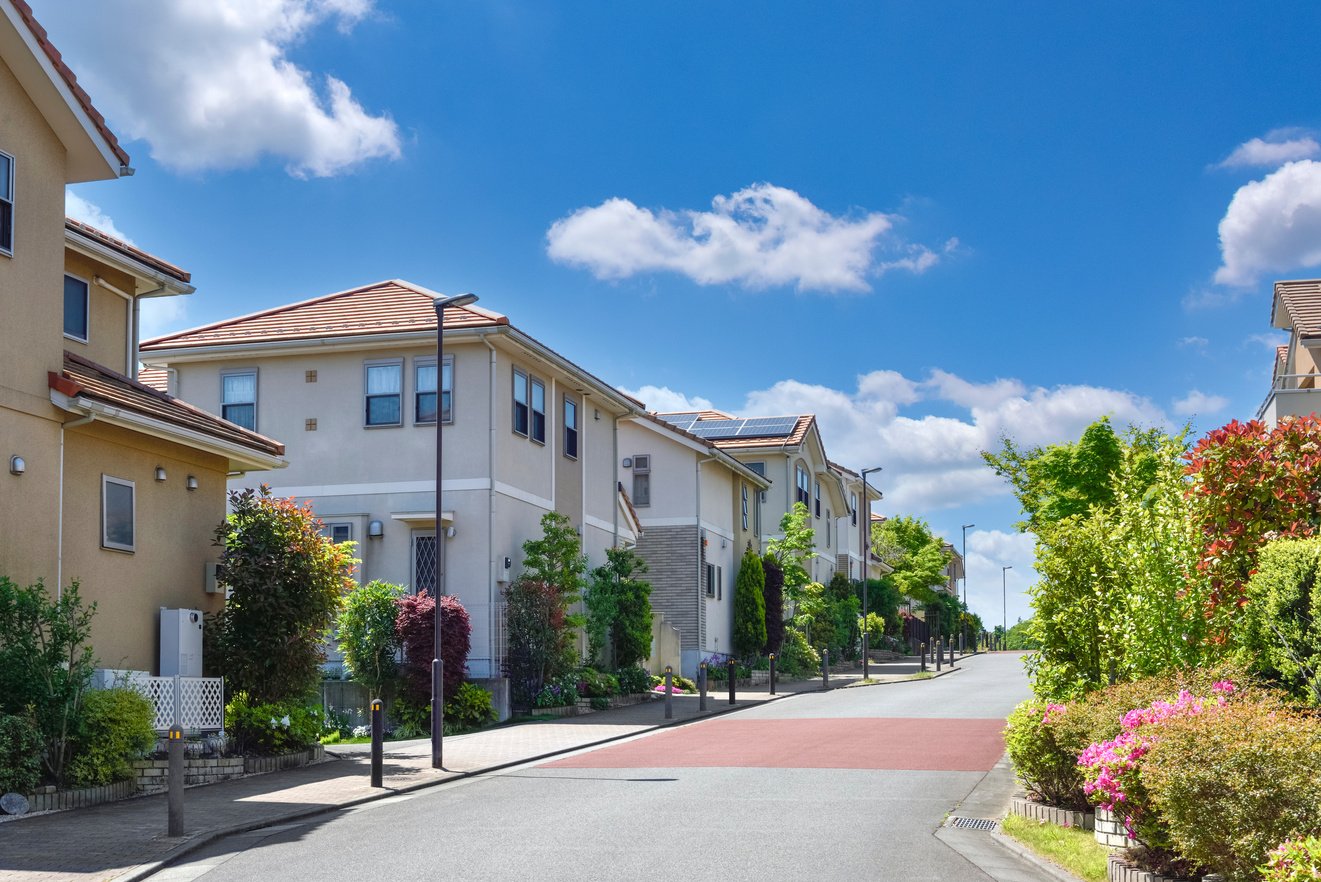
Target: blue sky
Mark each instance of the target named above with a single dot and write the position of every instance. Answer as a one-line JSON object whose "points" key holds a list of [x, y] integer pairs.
{"points": [[932, 224]]}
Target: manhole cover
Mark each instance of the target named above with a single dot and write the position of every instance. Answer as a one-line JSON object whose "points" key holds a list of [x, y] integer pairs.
{"points": [[13, 804], [974, 824]]}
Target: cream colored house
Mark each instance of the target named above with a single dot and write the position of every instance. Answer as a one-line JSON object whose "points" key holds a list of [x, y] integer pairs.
{"points": [[350, 380], [106, 482], [699, 509], [1296, 308], [854, 558]]}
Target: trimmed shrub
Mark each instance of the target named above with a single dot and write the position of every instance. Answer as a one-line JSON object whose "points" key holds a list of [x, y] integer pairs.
{"points": [[632, 680], [750, 606], [1281, 625], [20, 754], [1045, 754], [1297, 860], [595, 684], [619, 609], [272, 727], [368, 635], [1231, 784], [797, 658], [116, 729], [470, 708], [416, 626], [535, 617]]}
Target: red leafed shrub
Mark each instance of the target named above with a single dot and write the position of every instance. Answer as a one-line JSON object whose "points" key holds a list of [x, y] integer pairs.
{"points": [[1251, 484], [416, 625]]}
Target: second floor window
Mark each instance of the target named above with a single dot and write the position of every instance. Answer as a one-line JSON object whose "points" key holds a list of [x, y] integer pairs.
{"points": [[117, 514], [853, 508], [384, 398], [802, 486], [521, 418], [570, 429], [424, 407], [238, 398], [818, 499], [6, 204], [538, 411], [75, 308], [642, 480], [745, 505]]}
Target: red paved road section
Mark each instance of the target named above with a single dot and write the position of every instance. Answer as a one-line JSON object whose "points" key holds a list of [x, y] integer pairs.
{"points": [[858, 743]]}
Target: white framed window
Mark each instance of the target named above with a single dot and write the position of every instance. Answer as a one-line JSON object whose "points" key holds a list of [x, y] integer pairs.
{"points": [[744, 488], [571, 429], [6, 204], [424, 562], [338, 532], [424, 391], [238, 398], [759, 468], [385, 393], [642, 479], [521, 412], [802, 485], [538, 425], [75, 308], [853, 508], [817, 497], [828, 520], [710, 580], [118, 509]]}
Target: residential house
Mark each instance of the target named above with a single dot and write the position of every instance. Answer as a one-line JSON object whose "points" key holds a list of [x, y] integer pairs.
{"points": [[699, 510], [107, 482], [953, 572], [351, 381], [854, 558], [1296, 308]]}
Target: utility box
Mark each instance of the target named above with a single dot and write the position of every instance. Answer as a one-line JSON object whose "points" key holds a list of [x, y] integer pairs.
{"points": [[181, 642]]}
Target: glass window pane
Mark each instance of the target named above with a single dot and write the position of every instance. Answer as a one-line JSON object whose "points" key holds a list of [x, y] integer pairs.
{"points": [[448, 405], [75, 307], [238, 388], [426, 407], [383, 410], [118, 514], [6, 178], [426, 378], [538, 396], [520, 387], [448, 377], [570, 414], [244, 415], [384, 379]]}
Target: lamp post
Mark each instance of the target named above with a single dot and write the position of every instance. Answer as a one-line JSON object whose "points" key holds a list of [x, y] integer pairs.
{"points": [[437, 668], [964, 630], [1004, 609], [864, 518]]}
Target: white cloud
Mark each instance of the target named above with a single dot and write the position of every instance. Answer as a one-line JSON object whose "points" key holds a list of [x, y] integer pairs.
{"points": [[1272, 225], [1198, 343], [759, 237], [1272, 152], [161, 315], [962, 392], [210, 84], [80, 209], [1197, 403], [1270, 340], [989, 589], [663, 399]]}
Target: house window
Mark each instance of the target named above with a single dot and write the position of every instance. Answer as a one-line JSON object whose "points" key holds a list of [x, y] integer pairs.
{"points": [[75, 308], [759, 468], [338, 533], [6, 204], [818, 498], [520, 403], [238, 399], [710, 580], [424, 563], [853, 508], [642, 480], [828, 519], [538, 411], [745, 505], [385, 394], [117, 513], [571, 431], [424, 394], [802, 488]]}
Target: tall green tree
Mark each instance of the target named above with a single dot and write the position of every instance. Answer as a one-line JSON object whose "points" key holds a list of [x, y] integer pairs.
{"points": [[368, 636], [556, 558], [918, 557], [794, 549], [619, 610], [774, 594], [750, 606]]}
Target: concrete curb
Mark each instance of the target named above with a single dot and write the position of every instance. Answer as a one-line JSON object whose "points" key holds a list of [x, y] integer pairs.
{"points": [[143, 871], [1025, 853]]}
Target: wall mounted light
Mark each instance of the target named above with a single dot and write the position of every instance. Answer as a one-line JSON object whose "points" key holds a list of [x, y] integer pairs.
{"points": [[509, 562], [160, 473], [191, 482], [375, 530], [17, 465], [449, 532]]}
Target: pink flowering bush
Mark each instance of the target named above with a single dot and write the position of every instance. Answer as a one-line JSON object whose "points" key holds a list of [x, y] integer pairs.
{"points": [[1044, 751], [1296, 860]]}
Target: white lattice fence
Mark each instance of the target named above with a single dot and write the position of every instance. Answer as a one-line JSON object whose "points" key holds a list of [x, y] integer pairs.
{"points": [[198, 703]]}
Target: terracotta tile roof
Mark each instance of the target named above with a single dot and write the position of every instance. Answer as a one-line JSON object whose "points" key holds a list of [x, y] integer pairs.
{"points": [[705, 442], [1302, 301], [83, 378], [844, 470], [390, 307], [127, 250], [25, 13], [703, 414], [155, 378]]}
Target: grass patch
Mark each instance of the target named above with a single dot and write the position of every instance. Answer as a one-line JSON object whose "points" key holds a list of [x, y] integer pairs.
{"points": [[921, 675], [1075, 850]]}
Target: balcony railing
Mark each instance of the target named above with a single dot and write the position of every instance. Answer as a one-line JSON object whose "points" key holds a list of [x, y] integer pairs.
{"points": [[1289, 385]]}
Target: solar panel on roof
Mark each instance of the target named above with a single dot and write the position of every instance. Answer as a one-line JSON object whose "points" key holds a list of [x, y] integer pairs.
{"points": [[768, 427]]}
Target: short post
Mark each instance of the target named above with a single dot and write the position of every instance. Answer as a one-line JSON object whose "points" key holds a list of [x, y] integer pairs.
{"points": [[772, 673], [922, 654], [378, 739], [176, 781], [438, 702], [865, 657], [825, 669], [939, 652], [669, 692], [951, 652], [701, 686], [732, 667]]}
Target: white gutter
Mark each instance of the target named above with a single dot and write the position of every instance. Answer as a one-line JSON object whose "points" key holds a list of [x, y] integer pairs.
{"points": [[59, 525]]}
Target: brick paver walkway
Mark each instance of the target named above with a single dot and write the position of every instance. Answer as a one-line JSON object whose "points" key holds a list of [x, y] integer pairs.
{"points": [[126, 840]]}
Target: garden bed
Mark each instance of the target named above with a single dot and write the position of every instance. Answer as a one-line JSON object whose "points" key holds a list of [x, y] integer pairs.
{"points": [[1038, 811], [48, 799], [257, 765], [1120, 870]]}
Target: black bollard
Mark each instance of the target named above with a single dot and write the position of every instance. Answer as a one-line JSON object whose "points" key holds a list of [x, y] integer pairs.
{"points": [[825, 669], [772, 673], [175, 799], [669, 692], [732, 667], [701, 686], [939, 652], [922, 654], [378, 737]]}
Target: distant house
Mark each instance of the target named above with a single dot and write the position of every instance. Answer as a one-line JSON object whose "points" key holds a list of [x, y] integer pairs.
{"points": [[350, 380], [953, 572], [107, 482], [853, 557], [698, 509], [1296, 308]]}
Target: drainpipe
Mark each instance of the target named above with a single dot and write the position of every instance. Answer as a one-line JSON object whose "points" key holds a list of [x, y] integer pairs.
{"points": [[490, 507], [131, 329], [59, 526], [614, 507]]}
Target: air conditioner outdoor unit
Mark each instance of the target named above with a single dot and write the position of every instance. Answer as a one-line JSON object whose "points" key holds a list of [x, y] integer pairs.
{"points": [[181, 642]]}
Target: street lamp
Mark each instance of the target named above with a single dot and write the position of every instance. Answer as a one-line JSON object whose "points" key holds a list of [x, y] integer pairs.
{"points": [[1004, 609], [864, 518], [964, 630], [437, 668]]}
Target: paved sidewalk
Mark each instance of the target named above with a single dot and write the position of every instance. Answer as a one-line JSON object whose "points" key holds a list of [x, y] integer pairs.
{"points": [[126, 840]]}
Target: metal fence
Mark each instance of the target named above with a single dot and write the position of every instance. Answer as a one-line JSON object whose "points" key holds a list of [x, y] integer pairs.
{"points": [[197, 704]]}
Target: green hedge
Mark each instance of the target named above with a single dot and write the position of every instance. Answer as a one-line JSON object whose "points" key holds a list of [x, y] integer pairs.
{"points": [[116, 728], [20, 754]]}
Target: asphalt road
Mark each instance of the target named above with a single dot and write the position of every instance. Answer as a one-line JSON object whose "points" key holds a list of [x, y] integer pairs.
{"points": [[849, 784]]}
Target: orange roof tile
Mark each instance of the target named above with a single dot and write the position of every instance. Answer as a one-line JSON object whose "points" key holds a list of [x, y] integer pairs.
{"points": [[155, 378], [390, 307], [83, 378], [127, 250], [25, 13], [1302, 301]]}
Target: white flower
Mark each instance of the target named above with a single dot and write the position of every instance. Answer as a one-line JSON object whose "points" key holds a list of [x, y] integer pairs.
{"points": [[285, 722], [274, 722]]}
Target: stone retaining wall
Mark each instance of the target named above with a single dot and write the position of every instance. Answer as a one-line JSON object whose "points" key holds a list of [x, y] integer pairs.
{"points": [[153, 775], [1119, 870], [1037, 811], [1109, 830], [49, 799], [256, 765]]}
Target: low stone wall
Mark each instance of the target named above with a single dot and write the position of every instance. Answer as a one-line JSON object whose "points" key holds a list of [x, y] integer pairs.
{"points": [[256, 765], [1119, 870], [49, 799], [153, 775], [1109, 830], [1037, 811]]}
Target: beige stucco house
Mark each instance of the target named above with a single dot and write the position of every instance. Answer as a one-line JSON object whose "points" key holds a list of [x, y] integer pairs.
{"points": [[349, 380], [106, 482], [1296, 308]]}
